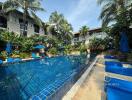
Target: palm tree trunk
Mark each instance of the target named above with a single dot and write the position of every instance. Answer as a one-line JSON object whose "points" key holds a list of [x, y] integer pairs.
{"points": [[24, 22], [24, 18], [84, 39]]}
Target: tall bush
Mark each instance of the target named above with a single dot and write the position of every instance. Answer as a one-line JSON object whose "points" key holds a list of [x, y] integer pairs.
{"points": [[99, 44]]}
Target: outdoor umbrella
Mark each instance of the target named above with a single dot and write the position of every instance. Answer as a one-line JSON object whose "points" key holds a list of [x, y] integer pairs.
{"points": [[8, 47], [39, 46], [124, 43]]}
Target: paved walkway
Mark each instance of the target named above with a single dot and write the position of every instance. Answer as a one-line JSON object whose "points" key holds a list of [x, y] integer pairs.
{"points": [[92, 88]]}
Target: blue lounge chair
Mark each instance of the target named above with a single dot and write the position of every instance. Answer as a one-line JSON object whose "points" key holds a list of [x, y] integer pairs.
{"points": [[117, 68], [17, 59], [113, 63], [10, 60], [1, 61], [117, 89], [110, 57]]}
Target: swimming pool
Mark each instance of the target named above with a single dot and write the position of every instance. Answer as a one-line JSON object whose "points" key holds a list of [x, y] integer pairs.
{"points": [[37, 78]]}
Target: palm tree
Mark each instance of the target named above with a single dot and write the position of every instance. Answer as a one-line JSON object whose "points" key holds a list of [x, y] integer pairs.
{"points": [[29, 7], [83, 31], [66, 30], [60, 26], [117, 12], [114, 11], [55, 21]]}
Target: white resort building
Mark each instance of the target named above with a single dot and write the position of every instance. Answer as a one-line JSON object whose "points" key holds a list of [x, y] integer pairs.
{"points": [[13, 22], [78, 38]]}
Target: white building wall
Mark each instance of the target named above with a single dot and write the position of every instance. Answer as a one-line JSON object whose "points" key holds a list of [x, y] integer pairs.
{"points": [[41, 31], [30, 29], [101, 35], [13, 23], [88, 37], [80, 39], [14, 26]]}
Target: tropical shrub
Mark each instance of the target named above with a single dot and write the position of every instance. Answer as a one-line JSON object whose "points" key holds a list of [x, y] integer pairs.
{"points": [[8, 36], [3, 55], [15, 54], [38, 38], [68, 49], [83, 48], [53, 51], [77, 45], [99, 44], [53, 41], [26, 44], [24, 55]]}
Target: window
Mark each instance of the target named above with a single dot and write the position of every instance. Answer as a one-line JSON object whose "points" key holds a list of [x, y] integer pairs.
{"points": [[76, 37], [21, 21], [23, 27], [36, 28], [3, 22]]}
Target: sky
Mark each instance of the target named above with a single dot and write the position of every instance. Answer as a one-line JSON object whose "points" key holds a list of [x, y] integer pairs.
{"points": [[77, 12]]}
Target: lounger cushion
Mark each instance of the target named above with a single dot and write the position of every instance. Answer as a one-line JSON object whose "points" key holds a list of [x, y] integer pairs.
{"points": [[17, 59], [10, 60], [115, 94], [110, 57], [117, 68], [117, 89], [113, 63], [118, 84]]}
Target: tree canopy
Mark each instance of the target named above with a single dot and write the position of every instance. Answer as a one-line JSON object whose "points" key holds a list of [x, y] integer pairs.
{"points": [[60, 27], [84, 30], [116, 11]]}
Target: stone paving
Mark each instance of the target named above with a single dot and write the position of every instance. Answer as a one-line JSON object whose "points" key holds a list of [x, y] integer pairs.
{"points": [[93, 86]]}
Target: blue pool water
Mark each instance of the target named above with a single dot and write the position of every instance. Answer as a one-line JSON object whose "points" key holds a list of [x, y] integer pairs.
{"points": [[22, 81]]}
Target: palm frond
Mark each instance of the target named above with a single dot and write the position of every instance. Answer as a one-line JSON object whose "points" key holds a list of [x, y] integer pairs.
{"points": [[10, 5], [33, 8], [108, 9], [35, 5], [36, 19], [100, 2], [83, 30], [107, 20]]}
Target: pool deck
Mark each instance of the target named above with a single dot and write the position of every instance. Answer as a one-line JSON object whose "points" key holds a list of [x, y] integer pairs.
{"points": [[93, 86]]}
